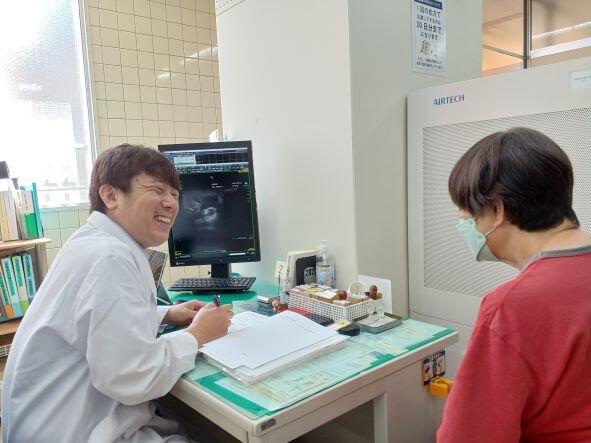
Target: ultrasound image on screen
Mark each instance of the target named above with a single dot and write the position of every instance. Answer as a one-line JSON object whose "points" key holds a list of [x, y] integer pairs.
{"points": [[215, 213], [202, 208]]}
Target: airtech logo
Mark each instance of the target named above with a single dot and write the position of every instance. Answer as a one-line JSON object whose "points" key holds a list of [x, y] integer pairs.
{"points": [[448, 100]]}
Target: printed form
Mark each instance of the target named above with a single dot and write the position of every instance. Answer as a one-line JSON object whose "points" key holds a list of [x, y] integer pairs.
{"points": [[266, 341]]}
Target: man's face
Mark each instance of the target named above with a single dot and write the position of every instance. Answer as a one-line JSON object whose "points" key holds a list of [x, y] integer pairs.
{"points": [[147, 212]]}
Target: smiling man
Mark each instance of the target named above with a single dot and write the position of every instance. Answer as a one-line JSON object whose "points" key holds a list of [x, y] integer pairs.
{"points": [[86, 361]]}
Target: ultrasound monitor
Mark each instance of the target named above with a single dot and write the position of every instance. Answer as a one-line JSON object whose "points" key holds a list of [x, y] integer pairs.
{"points": [[217, 220]]}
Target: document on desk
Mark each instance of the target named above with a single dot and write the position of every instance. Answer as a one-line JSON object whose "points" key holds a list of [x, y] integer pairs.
{"points": [[266, 341], [288, 386], [244, 319], [287, 361]]}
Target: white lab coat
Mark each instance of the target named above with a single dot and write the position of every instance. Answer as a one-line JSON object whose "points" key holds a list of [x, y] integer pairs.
{"points": [[86, 361]]}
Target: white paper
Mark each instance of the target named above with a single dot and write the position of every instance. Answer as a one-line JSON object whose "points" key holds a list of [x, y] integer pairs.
{"points": [[580, 79], [384, 286], [244, 319], [287, 361], [266, 341]]}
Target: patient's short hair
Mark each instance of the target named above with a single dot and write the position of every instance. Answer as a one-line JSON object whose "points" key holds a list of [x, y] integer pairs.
{"points": [[524, 169], [117, 166]]}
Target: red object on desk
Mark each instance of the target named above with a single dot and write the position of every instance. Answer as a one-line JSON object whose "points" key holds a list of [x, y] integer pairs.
{"points": [[278, 307], [299, 311]]}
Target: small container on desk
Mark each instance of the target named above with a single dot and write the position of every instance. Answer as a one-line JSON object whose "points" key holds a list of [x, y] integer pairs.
{"points": [[376, 324], [330, 310]]}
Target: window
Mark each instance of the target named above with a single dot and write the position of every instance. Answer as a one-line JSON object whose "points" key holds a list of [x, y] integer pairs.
{"points": [[502, 36], [517, 34], [44, 110], [561, 30]]}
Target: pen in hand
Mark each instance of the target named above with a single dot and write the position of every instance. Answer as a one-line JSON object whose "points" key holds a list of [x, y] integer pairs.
{"points": [[216, 300]]}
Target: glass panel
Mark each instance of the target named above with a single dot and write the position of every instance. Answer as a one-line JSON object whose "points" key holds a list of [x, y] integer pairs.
{"points": [[560, 22], [43, 105], [502, 25], [496, 63], [561, 57]]}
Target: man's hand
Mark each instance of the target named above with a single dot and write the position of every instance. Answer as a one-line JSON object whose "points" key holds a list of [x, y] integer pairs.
{"points": [[211, 322], [182, 313]]}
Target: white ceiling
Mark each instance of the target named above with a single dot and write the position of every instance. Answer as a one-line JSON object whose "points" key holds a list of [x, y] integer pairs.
{"points": [[553, 14], [547, 15], [495, 10], [502, 24]]}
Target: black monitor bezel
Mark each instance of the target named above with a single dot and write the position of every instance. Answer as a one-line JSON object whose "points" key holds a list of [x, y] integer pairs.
{"points": [[226, 259]]}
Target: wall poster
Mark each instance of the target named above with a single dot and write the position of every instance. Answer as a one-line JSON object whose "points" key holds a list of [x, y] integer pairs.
{"points": [[428, 36]]}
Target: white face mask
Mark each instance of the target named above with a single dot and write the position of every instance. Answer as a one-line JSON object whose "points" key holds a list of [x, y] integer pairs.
{"points": [[475, 240]]}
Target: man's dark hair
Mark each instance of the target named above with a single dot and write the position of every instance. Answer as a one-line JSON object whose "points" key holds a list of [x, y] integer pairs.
{"points": [[522, 168], [117, 166]]}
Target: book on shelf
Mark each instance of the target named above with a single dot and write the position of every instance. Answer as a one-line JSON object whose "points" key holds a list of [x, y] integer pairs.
{"points": [[5, 301], [27, 227], [17, 284], [11, 285], [20, 218], [9, 218], [29, 274], [4, 235], [31, 212], [19, 278]]}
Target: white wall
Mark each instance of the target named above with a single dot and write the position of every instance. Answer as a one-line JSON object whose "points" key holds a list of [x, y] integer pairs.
{"points": [[284, 72], [320, 88], [382, 76]]}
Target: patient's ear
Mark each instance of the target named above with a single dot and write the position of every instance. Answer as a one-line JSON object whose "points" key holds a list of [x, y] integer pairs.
{"points": [[463, 214], [110, 196], [499, 212]]}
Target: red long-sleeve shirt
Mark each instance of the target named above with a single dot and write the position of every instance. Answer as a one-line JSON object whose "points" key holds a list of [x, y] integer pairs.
{"points": [[525, 375]]}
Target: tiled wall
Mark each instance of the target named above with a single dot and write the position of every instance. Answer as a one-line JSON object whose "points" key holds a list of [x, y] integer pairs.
{"points": [[59, 224], [155, 70], [155, 81]]}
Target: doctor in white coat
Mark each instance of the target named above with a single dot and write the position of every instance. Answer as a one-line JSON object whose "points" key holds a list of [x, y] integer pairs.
{"points": [[85, 361]]}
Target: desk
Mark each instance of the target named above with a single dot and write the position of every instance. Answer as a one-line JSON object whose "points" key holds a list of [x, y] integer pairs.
{"points": [[402, 409]]}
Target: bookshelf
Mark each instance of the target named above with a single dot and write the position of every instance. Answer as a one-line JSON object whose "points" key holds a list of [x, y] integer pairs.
{"points": [[23, 245], [9, 327], [7, 248]]}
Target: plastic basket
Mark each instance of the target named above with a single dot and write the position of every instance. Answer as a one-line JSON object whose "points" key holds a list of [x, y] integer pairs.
{"points": [[330, 310]]}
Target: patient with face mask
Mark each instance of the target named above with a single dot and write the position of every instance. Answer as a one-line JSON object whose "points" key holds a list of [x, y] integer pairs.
{"points": [[475, 240], [521, 377]]}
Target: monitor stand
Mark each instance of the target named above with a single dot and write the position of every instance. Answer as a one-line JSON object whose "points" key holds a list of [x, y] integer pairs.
{"points": [[220, 270]]}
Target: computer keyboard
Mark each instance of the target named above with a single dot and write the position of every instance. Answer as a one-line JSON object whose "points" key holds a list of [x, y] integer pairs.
{"points": [[232, 284]]}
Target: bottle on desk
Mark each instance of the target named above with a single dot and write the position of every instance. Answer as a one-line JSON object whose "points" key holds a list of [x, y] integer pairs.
{"points": [[325, 266]]}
